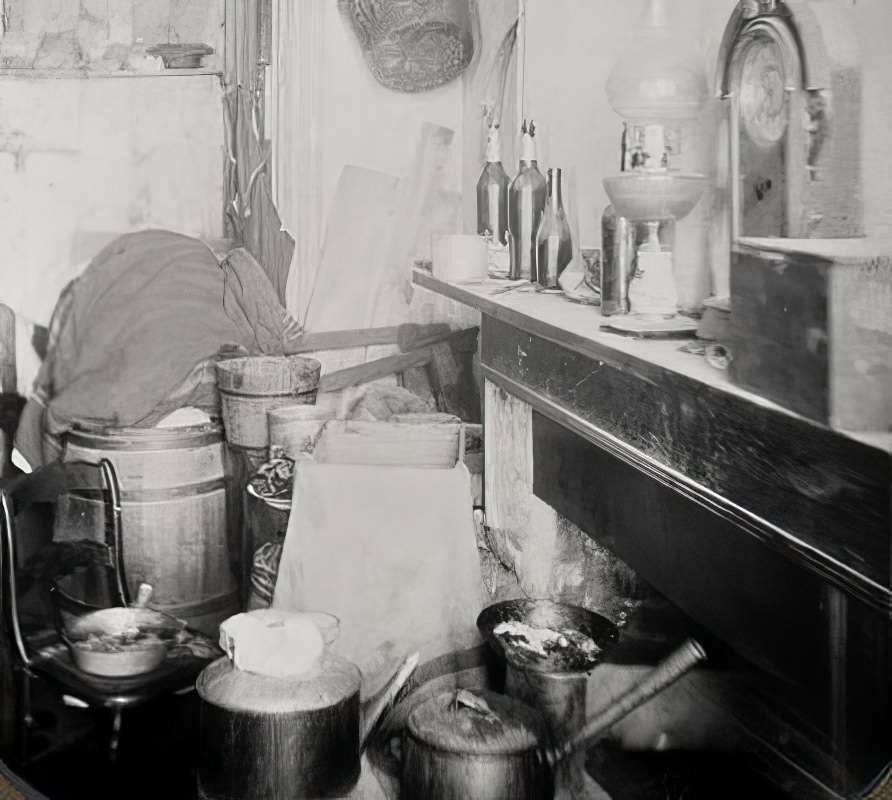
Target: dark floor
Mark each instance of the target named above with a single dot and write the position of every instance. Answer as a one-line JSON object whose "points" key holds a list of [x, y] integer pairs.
{"points": [[158, 749], [157, 754], [650, 775]]}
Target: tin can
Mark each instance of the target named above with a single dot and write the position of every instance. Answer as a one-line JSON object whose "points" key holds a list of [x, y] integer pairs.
{"points": [[617, 262]]}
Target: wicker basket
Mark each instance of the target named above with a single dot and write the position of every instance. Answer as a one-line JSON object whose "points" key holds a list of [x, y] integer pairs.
{"points": [[250, 387]]}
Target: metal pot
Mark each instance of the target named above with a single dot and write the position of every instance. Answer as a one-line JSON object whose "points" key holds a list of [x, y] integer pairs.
{"points": [[263, 738], [474, 744], [555, 684], [455, 747]]}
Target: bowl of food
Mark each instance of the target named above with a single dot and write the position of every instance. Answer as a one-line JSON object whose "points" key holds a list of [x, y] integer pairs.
{"points": [[545, 636], [121, 642]]}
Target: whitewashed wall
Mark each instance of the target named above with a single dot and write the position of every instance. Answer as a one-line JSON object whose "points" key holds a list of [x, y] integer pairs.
{"points": [[105, 34], [349, 118], [874, 25], [85, 159]]}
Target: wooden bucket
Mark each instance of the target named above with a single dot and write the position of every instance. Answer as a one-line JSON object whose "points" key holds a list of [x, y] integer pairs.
{"points": [[173, 498], [250, 387], [295, 429]]}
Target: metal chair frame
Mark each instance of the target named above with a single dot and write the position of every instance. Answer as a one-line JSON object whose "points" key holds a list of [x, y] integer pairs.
{"points": [[46, 486]]}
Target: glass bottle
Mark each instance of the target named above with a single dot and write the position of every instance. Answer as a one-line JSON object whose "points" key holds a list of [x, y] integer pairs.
{"points": [[492, 192], [554, 248], [526, 202]]}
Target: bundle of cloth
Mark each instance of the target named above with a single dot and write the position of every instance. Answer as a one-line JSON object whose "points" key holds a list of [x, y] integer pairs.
{"points": [[137, 334]]}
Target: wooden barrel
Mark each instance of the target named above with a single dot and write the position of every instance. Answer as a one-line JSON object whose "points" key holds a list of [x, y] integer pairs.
{"points": [[173, 497], [250, 387]]}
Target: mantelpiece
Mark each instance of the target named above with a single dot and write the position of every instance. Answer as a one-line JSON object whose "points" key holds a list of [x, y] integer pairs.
{"points": [[671, 414], [766, 528]]}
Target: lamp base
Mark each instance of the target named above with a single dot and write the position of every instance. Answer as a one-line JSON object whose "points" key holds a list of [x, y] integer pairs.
{"points": [[647, 325], [652, 289]]}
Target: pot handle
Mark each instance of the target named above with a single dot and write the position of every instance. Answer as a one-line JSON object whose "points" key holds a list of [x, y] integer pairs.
{"points": [[380, 704], [673, 667]]}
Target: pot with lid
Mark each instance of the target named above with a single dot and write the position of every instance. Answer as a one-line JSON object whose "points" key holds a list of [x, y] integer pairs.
{"points": [[486, 746], [264, 737], [473, 744]]}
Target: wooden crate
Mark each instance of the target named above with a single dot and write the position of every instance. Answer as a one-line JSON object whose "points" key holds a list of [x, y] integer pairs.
{"points": [[811, 327]]}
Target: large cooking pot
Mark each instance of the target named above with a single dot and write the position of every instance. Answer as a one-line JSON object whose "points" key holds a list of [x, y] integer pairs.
{"points": [[479, 744], [264, 738]]}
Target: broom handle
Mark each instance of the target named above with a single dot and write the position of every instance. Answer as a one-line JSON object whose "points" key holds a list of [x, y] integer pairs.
{"points": [[673, 667]]}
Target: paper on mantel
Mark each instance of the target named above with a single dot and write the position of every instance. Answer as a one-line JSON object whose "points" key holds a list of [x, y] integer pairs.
{"points": [[278, 644]]}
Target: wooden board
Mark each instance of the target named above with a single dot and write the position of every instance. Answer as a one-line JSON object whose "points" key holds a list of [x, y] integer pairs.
{"points": [[354, 253], [389, 444]]}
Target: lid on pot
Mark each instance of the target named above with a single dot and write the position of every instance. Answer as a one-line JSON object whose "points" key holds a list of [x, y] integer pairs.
{"points": [[479, 722], [332, 680]]}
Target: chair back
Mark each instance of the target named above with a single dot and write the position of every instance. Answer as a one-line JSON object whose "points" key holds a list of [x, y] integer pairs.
{"points": [[61, 549]]}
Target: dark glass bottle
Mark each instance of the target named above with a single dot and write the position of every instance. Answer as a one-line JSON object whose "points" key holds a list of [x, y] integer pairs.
{"points": [[492, 193], [554, 247], [526, 202]]}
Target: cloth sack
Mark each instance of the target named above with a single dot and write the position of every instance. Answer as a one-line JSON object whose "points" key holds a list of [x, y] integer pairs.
{"points": [[390, 551]]}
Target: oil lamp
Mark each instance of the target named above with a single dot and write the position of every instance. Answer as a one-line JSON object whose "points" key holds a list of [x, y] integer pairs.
{"points": [[658, 87]]}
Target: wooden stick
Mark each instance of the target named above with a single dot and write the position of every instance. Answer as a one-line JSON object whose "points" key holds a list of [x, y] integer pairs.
{"points": [[372, 370], [408, 337], [386, 698]]}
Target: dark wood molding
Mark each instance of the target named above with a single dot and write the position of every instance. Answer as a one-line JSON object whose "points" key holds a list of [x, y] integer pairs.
{"points": [[823, 494], [824, 565]]}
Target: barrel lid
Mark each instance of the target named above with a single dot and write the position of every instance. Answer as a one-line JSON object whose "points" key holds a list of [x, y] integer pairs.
{"points": [[479, 722], [331, 681]]}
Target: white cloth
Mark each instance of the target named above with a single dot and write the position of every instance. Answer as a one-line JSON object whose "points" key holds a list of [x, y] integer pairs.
{"points": [[390, 551]]}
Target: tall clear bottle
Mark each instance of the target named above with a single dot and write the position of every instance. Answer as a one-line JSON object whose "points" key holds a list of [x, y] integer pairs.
{"points": [[526, 203], [492, 192], [554, 247]]}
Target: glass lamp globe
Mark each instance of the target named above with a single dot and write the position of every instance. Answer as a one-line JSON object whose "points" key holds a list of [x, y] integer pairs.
{"points": [[658, 75]]}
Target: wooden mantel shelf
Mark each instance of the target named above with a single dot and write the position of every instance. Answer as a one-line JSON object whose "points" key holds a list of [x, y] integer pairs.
{"points": [[577, 326], [820, 497]]}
